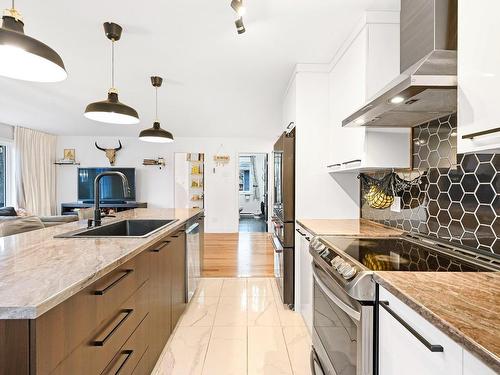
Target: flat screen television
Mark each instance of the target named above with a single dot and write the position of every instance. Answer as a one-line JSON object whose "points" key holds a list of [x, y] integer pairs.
{"points": [[111, 186]]}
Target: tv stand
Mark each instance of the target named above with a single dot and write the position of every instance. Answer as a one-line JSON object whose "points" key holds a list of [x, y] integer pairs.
{"points": [[117, 206]]}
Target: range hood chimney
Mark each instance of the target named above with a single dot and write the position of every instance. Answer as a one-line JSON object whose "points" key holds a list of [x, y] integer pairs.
{"points": [[426, 89]]}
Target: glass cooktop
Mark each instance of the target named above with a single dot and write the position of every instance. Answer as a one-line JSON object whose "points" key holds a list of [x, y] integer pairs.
{"points": [[397, 254]]}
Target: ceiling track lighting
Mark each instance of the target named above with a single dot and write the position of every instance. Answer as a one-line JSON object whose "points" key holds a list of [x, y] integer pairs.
{"points": [[23, 57], [240, 27], [156, 134], [111, 110], [238, 7]]}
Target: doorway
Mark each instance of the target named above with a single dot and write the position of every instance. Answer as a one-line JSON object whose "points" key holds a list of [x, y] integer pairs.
{"points": [[253, 192]]}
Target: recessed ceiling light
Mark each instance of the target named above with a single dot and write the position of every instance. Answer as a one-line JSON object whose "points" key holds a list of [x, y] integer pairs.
{"points": [[240, 27], [111, 110], [25, 58], [238, 7], [397, 100]]}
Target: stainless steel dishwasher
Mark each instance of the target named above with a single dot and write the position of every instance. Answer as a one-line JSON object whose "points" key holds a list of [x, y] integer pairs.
{"points": [[193, 254]]}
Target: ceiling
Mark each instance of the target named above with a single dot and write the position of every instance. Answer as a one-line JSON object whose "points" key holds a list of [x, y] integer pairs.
{"points": [[216, 82]]}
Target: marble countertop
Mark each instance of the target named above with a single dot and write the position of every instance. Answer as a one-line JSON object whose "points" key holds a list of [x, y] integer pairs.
{"points": [[347, 227], [462, 305], [38, 271]]}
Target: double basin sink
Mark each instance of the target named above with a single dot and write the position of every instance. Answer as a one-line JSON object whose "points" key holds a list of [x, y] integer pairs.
{"points": [[130, 228]]}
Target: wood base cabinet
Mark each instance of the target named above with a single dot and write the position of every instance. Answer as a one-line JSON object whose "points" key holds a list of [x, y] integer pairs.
{"points": [[117, 325]]}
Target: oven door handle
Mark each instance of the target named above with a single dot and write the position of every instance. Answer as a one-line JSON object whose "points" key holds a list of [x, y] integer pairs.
{"points": [[356, 315], [313, 359]]}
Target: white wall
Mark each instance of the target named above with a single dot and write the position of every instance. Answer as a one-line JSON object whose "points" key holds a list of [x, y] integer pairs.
{"points": [[157, 186]]}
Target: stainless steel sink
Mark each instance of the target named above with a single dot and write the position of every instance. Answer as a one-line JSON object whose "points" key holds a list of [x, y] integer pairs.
{"points": [[133, 228]]}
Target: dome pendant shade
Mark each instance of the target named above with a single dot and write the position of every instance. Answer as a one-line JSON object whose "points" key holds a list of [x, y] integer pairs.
{"points": [[25, 58], [112, 111], [156, 134]]}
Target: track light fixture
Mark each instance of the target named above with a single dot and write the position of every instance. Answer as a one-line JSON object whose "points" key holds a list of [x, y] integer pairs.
{"points": [[238, 7], [156, 133], [240, 27], [23, 57], [111, 110]]}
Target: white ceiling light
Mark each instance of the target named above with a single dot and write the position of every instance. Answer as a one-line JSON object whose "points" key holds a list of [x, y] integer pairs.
{"points": [[397, 100], [25, 58]]}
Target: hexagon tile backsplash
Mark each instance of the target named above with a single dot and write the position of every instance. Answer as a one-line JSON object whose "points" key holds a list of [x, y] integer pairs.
{"points": [[459, 195]]}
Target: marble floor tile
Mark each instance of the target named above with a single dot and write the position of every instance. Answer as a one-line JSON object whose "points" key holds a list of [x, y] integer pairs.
{"points": [[231, 311], [209, 287], [298, 343], [234, 287], [185, 353], [267, 353], [259, 287], [227, 352], [200, 312], [262, 311]]}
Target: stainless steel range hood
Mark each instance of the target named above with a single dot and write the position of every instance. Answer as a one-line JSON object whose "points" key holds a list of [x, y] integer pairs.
{"points": [[426, 89]]}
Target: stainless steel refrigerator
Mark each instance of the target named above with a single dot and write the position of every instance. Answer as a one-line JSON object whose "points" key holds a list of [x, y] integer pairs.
{"points": [[284, 215]]}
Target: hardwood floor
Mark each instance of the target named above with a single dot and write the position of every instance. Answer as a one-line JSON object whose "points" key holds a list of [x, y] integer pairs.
{"points": [[238, 255]]}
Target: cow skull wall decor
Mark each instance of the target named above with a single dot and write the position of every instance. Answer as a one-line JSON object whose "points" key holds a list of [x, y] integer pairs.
{"points": [[110, 152]]}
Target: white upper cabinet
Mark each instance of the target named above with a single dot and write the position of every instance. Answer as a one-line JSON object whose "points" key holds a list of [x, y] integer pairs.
{"points": [[478, 76], [367, 63]]}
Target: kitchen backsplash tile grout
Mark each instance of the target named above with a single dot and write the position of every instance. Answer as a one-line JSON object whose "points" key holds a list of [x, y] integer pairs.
{"points": [[459, 195]]}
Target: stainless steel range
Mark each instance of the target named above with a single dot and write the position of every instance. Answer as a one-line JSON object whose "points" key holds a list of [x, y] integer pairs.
{"points": [[344, 306]]}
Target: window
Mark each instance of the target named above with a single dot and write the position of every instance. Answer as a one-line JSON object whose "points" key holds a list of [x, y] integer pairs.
{"points": [[3, 175], [244, 180]]}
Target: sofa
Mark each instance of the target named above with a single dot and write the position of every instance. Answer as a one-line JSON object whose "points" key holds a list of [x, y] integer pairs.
{"points": [[11, 222]]}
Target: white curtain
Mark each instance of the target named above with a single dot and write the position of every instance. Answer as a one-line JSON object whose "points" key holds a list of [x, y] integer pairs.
{"points": [[35, 174]]}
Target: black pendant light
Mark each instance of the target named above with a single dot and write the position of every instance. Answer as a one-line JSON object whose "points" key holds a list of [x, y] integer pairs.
{"points": [[156, 133], [25, 58], [111, 110]]}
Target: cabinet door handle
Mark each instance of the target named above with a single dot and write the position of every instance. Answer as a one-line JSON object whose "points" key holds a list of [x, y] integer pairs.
{"points": [[418, 336], [478, 134], [120, 277], [163, 245], [334, 165], [352, 161], [302, 234], [313, 360], [117, 367], [113, 327]]}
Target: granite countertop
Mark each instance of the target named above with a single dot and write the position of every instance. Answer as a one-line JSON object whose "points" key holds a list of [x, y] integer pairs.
{"points": [[347, 227], [462, 305], [38, 271]]}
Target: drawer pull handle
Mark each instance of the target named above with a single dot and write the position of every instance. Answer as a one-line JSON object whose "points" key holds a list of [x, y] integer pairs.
{"points": [[479, 134], [418, 336], [119, 364], [160, 248], [113, 327], [122, 275], [334, 165]]}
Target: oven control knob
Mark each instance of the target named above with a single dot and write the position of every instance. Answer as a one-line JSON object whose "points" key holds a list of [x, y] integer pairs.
{"points": [[320, 247], [336, 261], [340, 264], [343, 267], [349, 272]]}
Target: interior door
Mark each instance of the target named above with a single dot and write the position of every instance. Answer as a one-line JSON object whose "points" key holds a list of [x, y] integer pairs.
{"points": [[266, 189]]}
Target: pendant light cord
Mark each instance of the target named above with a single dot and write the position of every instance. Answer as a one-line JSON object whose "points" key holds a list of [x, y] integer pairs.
{"points": [[156, 111], [112, 64], [13, 4]]}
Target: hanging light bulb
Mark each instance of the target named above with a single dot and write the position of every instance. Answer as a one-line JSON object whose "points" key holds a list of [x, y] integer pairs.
{"points": [[25, 58], [156, 133], [238, 7], [111, 110]]}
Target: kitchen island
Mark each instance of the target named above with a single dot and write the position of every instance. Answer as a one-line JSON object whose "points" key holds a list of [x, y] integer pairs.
{"points": [[76, 305]]}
